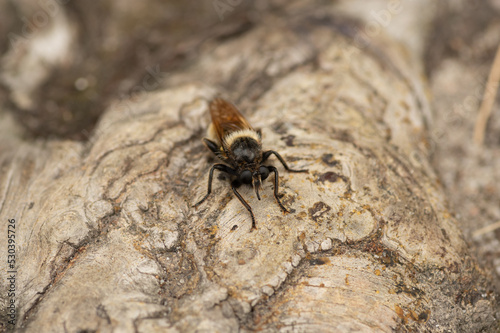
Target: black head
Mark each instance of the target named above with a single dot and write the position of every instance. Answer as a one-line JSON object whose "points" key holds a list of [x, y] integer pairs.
{"points": [[254, 178]]}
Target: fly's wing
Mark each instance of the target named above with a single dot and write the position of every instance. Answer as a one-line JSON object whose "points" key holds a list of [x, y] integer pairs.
{"points": [[226, 119]]}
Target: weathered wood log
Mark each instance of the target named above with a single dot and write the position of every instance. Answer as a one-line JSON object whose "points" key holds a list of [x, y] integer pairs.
{"points": [[107, 238]]}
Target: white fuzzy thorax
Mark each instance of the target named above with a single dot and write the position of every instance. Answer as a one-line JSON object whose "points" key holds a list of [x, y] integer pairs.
{"points": [[229, 140]]}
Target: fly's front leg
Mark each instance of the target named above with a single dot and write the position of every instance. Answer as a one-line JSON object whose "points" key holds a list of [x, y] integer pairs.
{"points": [[276, 185], [234, 185], [220, 167]]}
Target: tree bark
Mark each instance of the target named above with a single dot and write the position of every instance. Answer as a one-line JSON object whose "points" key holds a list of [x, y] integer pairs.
{"points": [[107, 238]]}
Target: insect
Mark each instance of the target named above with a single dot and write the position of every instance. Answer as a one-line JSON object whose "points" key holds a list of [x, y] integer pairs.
{"points": [[239, 146]]}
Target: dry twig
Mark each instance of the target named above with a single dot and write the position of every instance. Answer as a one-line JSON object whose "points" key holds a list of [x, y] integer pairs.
{"points": [[485, 230], [490, 93]]}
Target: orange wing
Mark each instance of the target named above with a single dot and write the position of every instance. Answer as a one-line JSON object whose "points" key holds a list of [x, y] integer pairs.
{"points": [[226, 118]]}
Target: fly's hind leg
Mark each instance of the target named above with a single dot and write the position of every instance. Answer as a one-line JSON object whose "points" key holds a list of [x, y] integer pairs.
{"points": [[268, 153]]}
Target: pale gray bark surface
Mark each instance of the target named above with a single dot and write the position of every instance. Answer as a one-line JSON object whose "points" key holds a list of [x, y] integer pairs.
{"points": [[108, 239]]}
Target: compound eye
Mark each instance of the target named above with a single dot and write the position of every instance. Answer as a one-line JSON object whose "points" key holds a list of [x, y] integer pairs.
{"points": [[246, 177], [264, 172]]}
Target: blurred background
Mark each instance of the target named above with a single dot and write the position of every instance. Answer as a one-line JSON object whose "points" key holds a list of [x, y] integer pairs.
{"points": [[63, 62]]}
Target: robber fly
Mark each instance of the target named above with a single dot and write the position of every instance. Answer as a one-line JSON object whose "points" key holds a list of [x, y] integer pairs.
{"points": [[236, 143]]}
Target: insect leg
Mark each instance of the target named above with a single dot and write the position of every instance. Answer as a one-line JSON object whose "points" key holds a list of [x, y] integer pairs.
{"points": [[276, 175], [211, 145], [220, 167], [243, 201], [268, 153]]}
